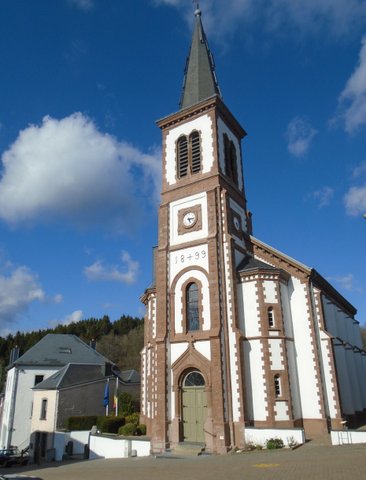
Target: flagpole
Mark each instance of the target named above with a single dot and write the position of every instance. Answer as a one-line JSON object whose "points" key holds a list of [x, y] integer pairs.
{"points": [[116, 396]]}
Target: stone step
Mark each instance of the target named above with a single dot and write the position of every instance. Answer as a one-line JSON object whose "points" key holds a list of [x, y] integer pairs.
{"points": [[189, 449]]}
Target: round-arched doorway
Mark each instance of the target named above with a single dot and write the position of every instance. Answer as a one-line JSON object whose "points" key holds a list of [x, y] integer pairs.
{"points": [[194, 407]]}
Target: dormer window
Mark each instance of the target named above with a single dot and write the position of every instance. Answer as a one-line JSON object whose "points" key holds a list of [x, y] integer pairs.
{"points": [[189, 154]]}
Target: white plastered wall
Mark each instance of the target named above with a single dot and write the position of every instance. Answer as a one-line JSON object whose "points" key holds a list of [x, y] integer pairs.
{"points": [[203, 124], [304, 344], [49, 423]]}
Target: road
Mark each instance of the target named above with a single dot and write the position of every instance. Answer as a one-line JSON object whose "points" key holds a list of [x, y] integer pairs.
{"points": [[307, 462]]}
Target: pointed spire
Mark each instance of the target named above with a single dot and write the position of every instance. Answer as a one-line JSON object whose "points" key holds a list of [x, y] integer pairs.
{"points": [[200, 80]]}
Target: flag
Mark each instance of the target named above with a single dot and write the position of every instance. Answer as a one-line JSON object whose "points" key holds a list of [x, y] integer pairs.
{"points": [[106, 394], [115, 398]]}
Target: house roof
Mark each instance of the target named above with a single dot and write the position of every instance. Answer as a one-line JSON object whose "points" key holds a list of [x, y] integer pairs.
{"points": [[130, 376], [70, 375], [57, 350], [250, 263], [79, 374]]}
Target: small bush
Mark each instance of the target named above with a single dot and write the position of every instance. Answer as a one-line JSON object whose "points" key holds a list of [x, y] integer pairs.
{"points": [[110, 424], [81, 423], [127, 430], [273, 443], [133, 418], [141, 429]]}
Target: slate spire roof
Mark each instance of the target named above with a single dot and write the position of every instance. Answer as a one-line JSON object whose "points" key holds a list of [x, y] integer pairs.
{"points": [[200, 80]]}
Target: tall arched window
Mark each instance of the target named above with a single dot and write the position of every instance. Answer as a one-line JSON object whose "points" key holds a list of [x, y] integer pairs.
{"points": [[189, 154], [277, 386], [195, 144], [182, 156], [231, 165], [270, 314], [43, 415], [192, 307]]}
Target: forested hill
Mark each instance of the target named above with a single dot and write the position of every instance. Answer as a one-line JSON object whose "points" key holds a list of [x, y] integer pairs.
{"points": [[120, 341]]}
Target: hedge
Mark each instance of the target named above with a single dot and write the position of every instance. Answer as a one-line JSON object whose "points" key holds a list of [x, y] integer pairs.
{"points": [[81, 422]]}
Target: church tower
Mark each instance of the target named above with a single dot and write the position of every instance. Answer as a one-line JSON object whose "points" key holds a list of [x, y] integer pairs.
{"points": [[240, 339], [193, 370]]}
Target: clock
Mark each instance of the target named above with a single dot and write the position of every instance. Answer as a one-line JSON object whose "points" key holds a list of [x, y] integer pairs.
{"points": [[189, 219], [236, 223]]}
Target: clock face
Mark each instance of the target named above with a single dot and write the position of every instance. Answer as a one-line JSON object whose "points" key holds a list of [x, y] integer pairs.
{"points": [[236, 223], [189, 219]]}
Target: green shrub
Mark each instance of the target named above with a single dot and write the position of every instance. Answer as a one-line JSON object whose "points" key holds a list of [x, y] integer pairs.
{"points": [[110, 424], [273, 443], [133, 418], [141, 429], [81, 423], [127, 430]]}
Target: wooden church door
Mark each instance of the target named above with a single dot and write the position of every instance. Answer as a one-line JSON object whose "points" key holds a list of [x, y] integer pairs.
{"points": [[194, 407]]}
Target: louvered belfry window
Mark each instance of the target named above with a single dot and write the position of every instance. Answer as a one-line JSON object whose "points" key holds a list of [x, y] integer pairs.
{"points": [[189, 154], [231, 165]]}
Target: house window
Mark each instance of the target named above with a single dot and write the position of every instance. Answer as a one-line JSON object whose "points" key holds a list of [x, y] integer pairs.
{"points": [[277, 386], [38, 379], [43, 409], [270, 317], [192, 307], [189, 154], [231, 164]]}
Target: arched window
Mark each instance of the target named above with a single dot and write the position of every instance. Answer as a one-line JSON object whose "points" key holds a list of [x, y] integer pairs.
{"points": [[270, 317], [195, 144], [192, 307], [231, 166], [43, 409], [189, 154], [182, 156], [194, 379], [277, 386]]}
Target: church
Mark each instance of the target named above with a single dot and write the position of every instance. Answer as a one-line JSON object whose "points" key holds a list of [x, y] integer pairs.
{"points": [[239, 336]]}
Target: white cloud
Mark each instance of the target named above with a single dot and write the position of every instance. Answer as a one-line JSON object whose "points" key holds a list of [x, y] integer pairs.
{"points": [[69, 169], [19, 287], [125, 273], [84, 5], [299, 135], [222, 17], [74, 317], [352, 100], [355, 200], [359, 170], [323, 196], [346, 282]]}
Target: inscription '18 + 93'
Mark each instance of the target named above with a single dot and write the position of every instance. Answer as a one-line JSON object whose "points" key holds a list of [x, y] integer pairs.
{"points": [[189, 257]]}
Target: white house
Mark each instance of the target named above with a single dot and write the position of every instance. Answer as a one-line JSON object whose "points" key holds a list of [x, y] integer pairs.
{"points": [[41, 361]]}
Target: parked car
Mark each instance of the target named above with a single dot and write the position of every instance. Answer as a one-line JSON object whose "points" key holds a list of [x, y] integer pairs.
{"points": [[12, 456], [18, 477]]}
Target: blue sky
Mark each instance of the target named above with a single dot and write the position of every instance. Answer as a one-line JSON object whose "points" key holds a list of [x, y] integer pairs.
{"points": [[82, 84]]}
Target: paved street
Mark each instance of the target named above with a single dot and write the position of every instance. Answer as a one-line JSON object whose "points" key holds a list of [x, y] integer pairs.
{"points": [[307, 462]]}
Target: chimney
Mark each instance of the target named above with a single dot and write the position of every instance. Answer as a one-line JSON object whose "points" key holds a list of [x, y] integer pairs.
{"points": [[14, 354], [93, 343]]}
